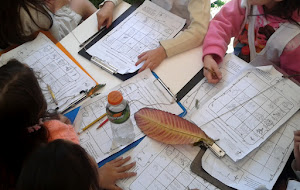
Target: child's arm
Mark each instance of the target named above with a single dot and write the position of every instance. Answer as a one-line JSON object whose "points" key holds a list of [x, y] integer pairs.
{"points": [[296, 162], [226, 24], [290, 57], [105, 14], [113, 171], [190, 38], [83, 7]]}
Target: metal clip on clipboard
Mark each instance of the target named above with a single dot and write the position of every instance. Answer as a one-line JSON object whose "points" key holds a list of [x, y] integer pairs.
{"points": [[109, 68], [219, 152]]}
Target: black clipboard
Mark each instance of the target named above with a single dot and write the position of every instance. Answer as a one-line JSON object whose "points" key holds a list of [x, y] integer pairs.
{"points": [[86, 55], [196, 167]]}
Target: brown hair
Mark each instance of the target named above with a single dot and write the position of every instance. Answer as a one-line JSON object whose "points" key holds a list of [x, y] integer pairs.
{"points": [[11, 31], [22, 104], [285, 10], [59, 165]]}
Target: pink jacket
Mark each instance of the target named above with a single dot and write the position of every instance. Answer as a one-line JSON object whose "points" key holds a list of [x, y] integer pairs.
{"points": [[59, 130], [229, 23]]}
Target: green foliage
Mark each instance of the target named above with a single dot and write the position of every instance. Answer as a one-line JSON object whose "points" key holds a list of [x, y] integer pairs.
{"points": [[218, 3]]}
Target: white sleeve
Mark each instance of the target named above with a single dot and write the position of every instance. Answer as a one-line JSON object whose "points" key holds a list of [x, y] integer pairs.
{"points": [[116, 2]]}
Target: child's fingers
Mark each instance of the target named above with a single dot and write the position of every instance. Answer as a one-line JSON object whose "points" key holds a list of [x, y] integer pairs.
{"points": [[122, 161], [126, 175], [116, 160], [210, 78], [297, 136], [142, 54], [145, 66], [141, 59], [217, 71], [126, 167], [297, 133], [109, 21]]}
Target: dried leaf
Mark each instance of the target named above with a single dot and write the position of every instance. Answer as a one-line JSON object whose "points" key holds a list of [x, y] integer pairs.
{"points": [[169, 128]]}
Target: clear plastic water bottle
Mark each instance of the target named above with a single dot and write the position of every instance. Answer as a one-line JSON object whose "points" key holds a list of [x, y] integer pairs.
{"points": [[118, 113]]}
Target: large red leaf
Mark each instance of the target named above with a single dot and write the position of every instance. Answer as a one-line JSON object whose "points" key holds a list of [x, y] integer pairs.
{"points": [[169, 128]]}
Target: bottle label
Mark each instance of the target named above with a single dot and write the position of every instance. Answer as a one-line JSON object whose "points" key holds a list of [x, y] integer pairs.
{"points": [[118, 117]]}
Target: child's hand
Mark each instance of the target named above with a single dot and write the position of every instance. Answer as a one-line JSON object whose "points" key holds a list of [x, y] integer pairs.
{"points": [[212, 73], [105, 14], [152, 58], [297, 149], [113, 171]]}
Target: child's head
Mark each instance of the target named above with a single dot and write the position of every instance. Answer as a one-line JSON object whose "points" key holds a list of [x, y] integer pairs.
{"points": [[284, 9], [22, 104], [59, 165], [20, 95], [11, 28]]}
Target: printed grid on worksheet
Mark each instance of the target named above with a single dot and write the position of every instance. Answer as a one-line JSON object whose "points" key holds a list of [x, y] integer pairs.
{"points": [[137, 96], [247, 109], [203, 91], [64, 77], [170, 169], [262, 164], [140, 33], [46, 62]]}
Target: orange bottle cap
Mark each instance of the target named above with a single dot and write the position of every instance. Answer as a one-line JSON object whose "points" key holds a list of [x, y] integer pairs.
{"points": [[114, 98]]}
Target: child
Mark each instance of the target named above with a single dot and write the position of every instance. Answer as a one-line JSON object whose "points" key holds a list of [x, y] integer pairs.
{"points": [[66, 166], [197, 13], [25, 120], [296, 162], [20, 19], [267, 30], [105, 14]]}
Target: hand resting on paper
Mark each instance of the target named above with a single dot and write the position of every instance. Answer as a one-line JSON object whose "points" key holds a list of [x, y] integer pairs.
{"points": [[105, 14], [113, 171], [151, 58]]}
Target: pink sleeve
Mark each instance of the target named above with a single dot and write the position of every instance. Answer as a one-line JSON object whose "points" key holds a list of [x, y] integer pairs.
{"points": [[59, 130], [226, 24], [290, 62]]}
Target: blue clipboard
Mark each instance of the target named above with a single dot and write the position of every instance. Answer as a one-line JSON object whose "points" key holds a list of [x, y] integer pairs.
{"points": [[72, 115]]}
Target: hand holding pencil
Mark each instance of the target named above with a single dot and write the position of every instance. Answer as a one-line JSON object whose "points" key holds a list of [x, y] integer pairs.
{"points": [[211, 70]]}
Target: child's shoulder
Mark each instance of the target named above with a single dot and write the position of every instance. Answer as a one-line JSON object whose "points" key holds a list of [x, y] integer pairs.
{"points": [[60, 130]]}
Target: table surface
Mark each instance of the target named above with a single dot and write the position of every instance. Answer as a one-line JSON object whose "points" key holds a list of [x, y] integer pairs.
{"points": [[175, 72]]}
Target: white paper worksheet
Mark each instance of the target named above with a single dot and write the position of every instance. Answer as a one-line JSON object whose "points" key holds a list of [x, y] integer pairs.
{"points": [[262, 167], [140, 31], [54, 68], [203, 91], [142, 90], [161, 166], [246, 112]]}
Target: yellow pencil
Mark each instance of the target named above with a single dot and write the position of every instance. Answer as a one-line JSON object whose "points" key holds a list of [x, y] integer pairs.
{"points": [[52, 94], [91, 124]]}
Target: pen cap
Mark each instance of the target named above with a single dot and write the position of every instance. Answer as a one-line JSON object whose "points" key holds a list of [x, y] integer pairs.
{"points": [[114, 98]]}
